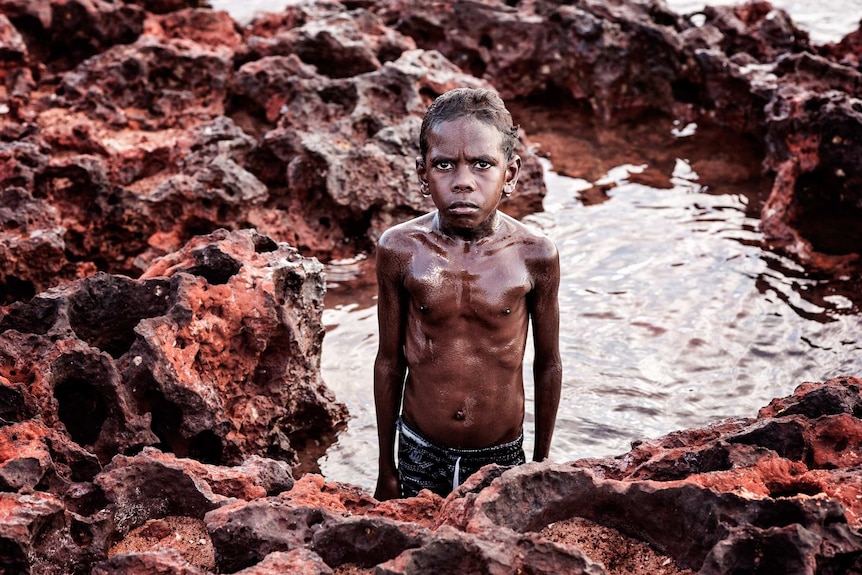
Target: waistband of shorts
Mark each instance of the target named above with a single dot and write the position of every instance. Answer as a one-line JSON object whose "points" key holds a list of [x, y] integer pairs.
{"points": [[501, 449]]}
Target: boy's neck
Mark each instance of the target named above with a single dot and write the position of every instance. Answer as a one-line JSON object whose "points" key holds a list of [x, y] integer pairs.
{"points": [[483, 231]]}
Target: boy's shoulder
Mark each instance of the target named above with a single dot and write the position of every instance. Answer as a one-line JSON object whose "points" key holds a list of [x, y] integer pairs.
{"points": [[405, 231], [536, 242]]}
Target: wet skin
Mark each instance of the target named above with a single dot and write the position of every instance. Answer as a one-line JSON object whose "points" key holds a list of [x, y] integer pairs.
{"points": [[458, 288]]}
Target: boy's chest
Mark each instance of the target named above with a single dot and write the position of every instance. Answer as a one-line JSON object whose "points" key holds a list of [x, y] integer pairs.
{"points": [[484, 286]]}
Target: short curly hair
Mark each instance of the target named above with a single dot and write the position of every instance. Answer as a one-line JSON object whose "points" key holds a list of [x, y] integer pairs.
{"points": [[484, 105]]}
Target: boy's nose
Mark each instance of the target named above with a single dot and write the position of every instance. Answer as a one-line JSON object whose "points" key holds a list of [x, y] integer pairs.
{"points": [[463, 181]]}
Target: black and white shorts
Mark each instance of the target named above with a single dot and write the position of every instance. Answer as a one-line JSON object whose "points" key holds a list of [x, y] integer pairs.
{"points": [[425, 465]]}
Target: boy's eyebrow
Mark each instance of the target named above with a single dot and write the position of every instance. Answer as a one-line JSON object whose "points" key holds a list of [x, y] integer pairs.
{"points": [[480, 158], [439, 158], [486, 159]]}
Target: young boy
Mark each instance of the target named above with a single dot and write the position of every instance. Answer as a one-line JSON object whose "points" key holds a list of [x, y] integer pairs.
{"points": [[457, 288]]}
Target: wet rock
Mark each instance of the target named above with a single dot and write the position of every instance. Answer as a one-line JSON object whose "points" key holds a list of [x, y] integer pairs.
{"points": [[813, 120], [337, 42], [454, 551], [34, 535], [213, 354], [31, 245], [585, 51], [168, 562], [300, 561], [143, 157]]}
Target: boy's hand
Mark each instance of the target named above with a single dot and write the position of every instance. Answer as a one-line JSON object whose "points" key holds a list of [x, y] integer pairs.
{"points": [[387, 487]]}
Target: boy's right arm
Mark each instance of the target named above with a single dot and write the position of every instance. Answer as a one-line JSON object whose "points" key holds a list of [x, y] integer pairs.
{"points": [[390, 367]]}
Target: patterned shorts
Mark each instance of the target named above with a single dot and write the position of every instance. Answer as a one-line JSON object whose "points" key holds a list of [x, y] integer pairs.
{"points": [[424, 465]]}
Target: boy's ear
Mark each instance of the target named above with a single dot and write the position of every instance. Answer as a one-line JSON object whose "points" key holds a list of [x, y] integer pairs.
{"points": [[423, 176], [420, 170], [513, 170]]}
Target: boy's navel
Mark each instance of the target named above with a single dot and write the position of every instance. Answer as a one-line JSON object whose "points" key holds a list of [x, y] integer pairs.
{"points": [[459, 415]]}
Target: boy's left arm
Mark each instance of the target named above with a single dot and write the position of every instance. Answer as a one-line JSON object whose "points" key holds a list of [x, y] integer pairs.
{"points": [[547, 365]]}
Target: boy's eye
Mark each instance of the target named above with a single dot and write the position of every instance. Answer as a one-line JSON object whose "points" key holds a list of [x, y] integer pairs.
{"points": [[483, 165], [444, 165]]}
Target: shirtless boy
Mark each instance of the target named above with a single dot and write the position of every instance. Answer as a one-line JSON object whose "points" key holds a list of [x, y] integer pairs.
{"points": [[457, 290]]}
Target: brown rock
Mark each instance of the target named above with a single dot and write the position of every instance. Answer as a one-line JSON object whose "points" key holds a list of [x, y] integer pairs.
{"points": [[186, 535], [34, 536], [456, 552], [32, 250], [118, 364], [296, 561], [206, 27], [163, 561], [152, 83], [338, 43], [589, 51]]}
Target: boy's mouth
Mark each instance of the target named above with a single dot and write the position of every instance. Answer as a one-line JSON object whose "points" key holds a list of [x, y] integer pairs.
{"points": [[462, 208]]}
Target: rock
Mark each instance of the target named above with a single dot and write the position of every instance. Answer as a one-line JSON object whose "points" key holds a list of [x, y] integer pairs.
{"points": [[152, 83], [31, 245], [747, 67], [168, 562], [337, 42], [34, 535], [64, 32], [587, 51], [328, 134], [456, 552], [299, 561], [143, 155], [120, 364]]}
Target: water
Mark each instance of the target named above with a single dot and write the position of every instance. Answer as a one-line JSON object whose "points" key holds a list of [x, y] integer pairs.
{"points": [[825, 21], [672, 316]]}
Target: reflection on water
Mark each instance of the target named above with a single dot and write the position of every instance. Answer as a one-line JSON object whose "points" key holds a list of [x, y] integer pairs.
{"points": [[672, 317], [824, 21]]}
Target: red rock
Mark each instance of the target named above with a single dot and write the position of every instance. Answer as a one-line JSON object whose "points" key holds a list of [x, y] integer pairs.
{"points": [[24, 456], [34, 536], [13, 50], [296, 561], [207, 27], [459, 553], [31, 245], [336, 42], [163, 562], [117, 366], [589, 51]]}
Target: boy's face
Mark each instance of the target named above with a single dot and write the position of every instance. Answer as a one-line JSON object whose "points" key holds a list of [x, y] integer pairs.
{"points": [[466, 171]]}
